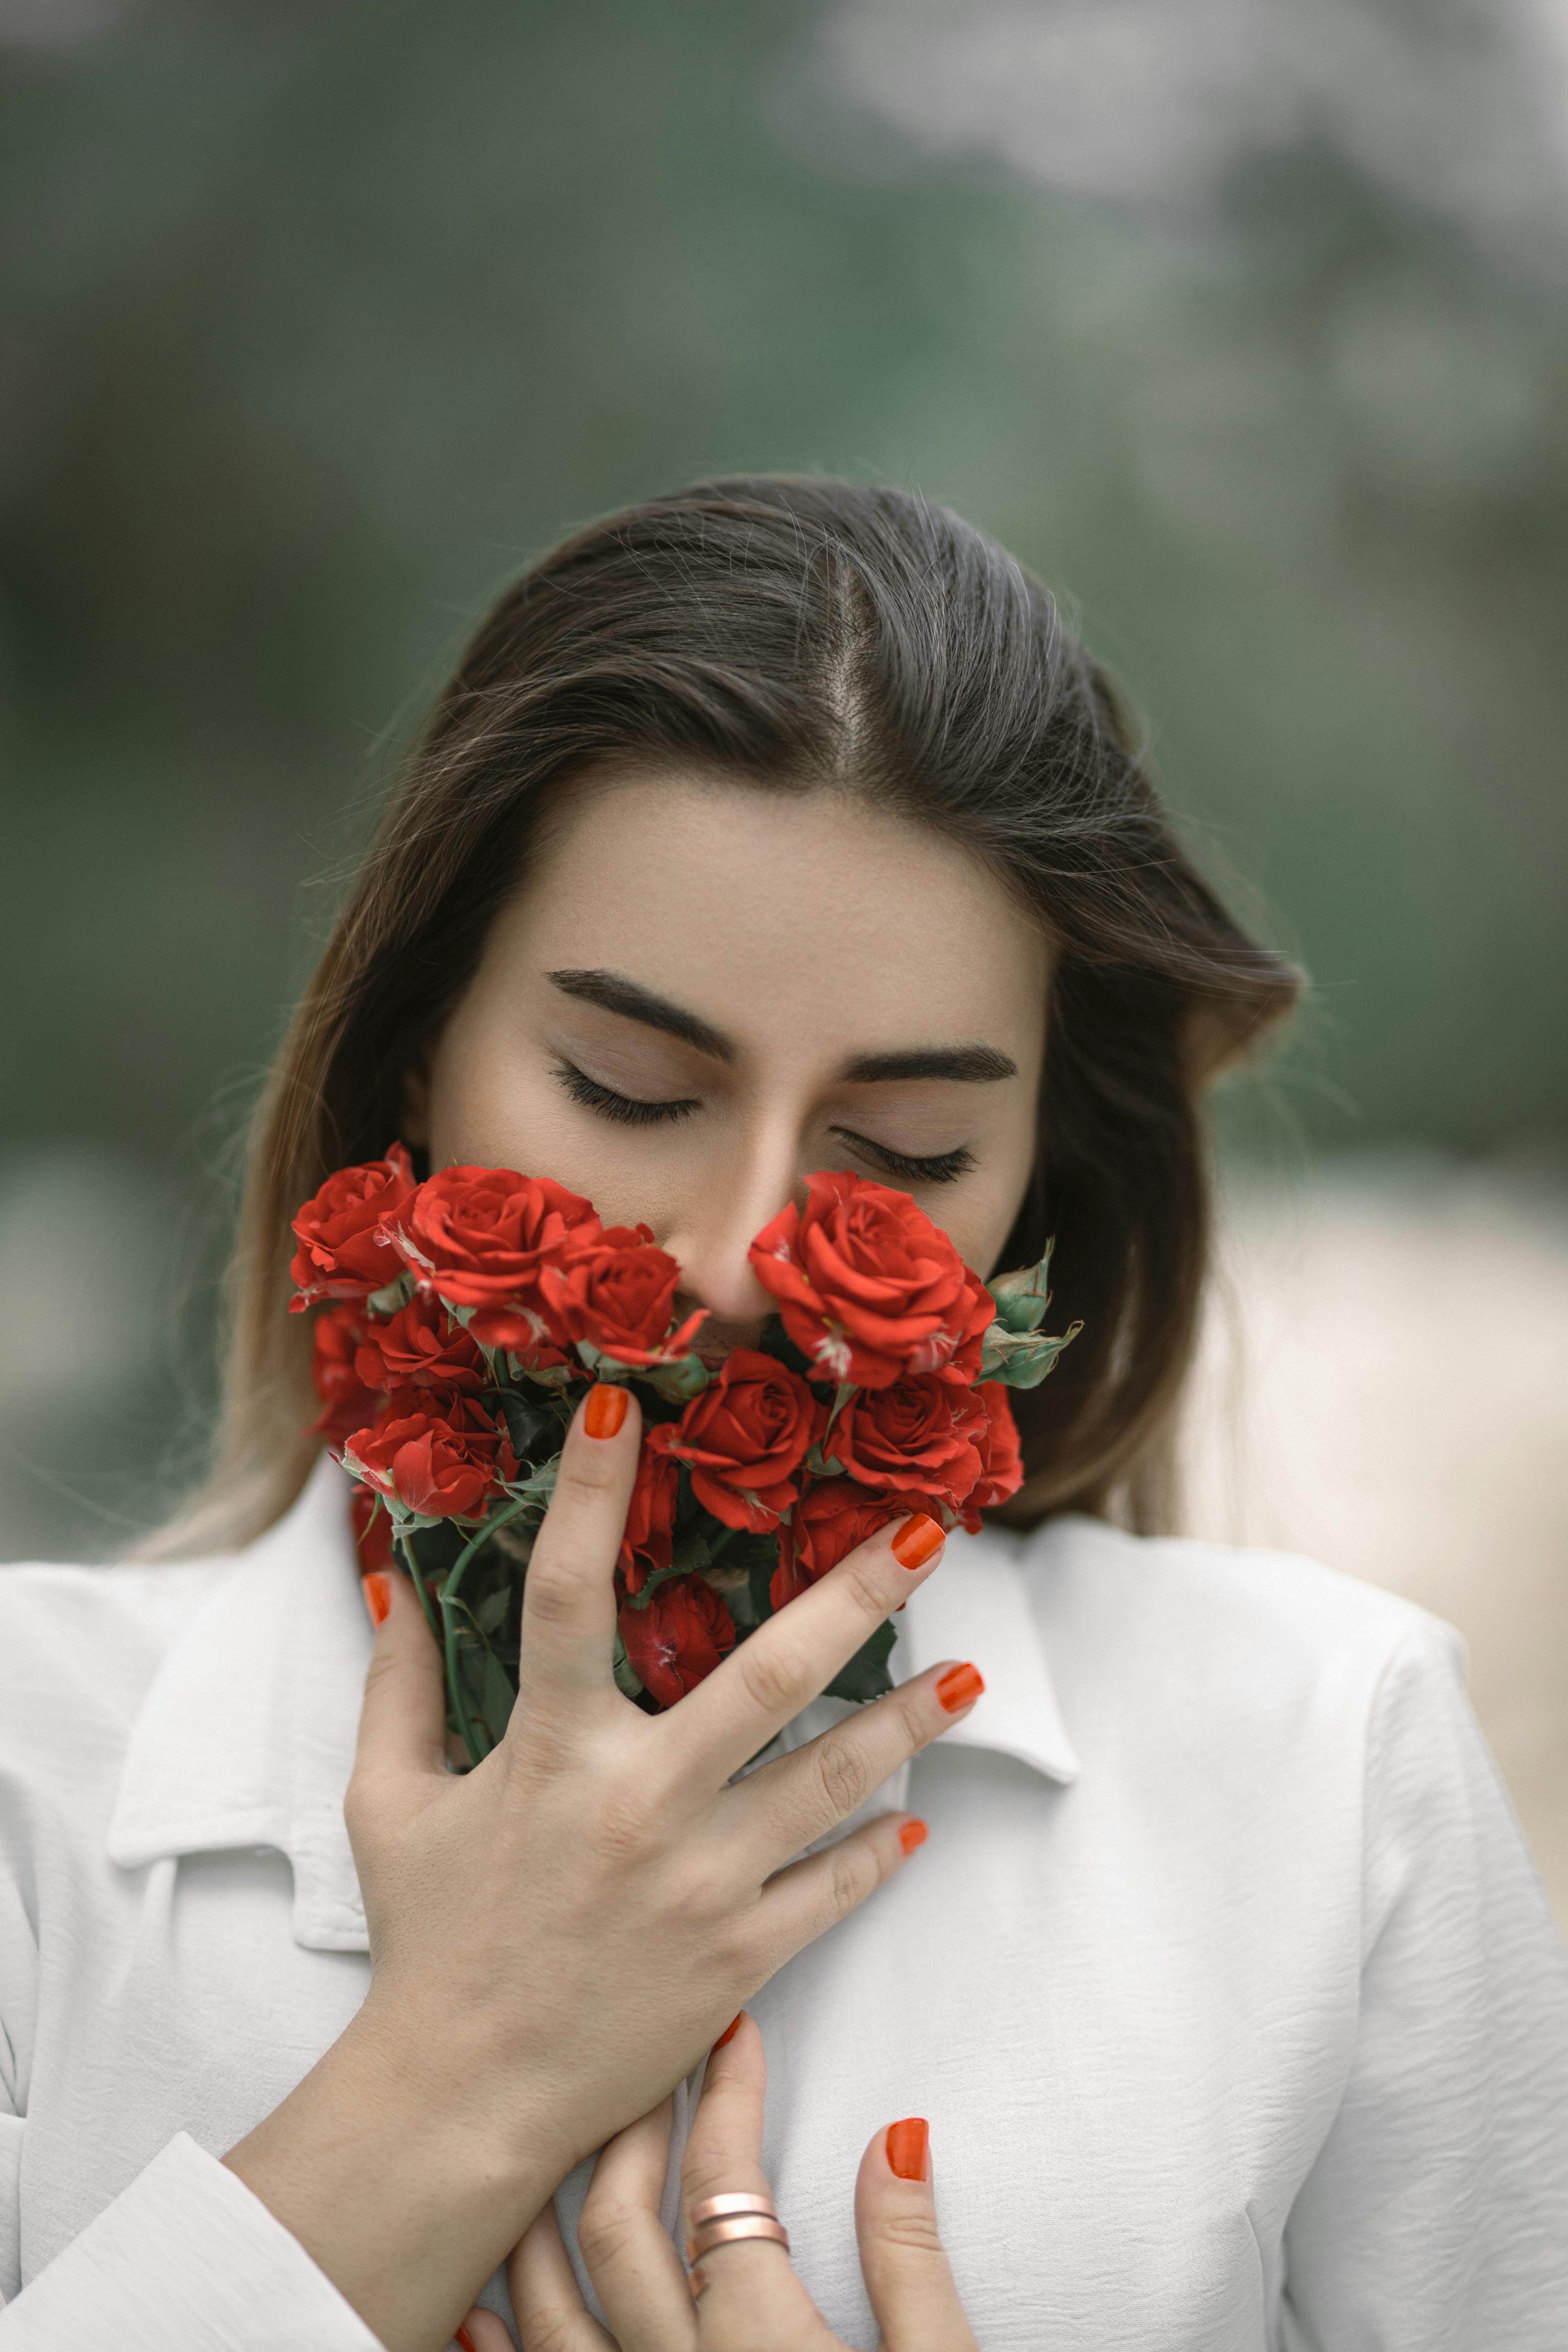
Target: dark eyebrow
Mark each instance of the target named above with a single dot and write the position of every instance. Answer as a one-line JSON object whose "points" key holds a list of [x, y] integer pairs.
{"points": [[615, 994], [970, 1065]]}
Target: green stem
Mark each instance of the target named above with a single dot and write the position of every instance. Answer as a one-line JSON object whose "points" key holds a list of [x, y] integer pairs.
{"points": [[405, 1545], [454, 1575]]}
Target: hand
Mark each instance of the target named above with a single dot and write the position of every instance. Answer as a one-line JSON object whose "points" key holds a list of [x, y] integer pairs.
{"points": [[556, 1936], [747, 2297]]}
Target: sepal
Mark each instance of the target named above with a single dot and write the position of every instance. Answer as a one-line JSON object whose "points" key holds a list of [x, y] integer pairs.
{"points": [[1022, 1296], [1020, 1359]]}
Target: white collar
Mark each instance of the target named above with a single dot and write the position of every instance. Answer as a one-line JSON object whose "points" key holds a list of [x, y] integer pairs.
{"points": [[247, 1733]]}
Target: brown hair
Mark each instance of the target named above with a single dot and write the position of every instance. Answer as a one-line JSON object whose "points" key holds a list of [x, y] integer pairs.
{"points": [[800, 635]]}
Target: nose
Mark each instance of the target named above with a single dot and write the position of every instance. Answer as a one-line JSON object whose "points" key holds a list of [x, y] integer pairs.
{"points": [[714, 1233]]}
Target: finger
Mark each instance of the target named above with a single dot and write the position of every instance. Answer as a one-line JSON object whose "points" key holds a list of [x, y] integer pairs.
{"points": [[803, 1901], [789, 1804], [568, 1595], [750, 2279], [637, 2275], [907, 2275], [403, 1716], [791, 1659], [546, 2301], [482, 2331]]}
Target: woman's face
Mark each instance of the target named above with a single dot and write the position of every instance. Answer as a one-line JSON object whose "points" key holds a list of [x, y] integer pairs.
{"points": [[704, 993]]}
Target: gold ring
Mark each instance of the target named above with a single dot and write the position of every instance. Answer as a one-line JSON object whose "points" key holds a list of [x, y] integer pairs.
{"points": [[730, 2229], [733, 2200]]}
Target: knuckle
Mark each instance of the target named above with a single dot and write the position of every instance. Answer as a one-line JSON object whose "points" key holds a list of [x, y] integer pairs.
{"points": [[842, 1775], [606, 2229], [548, 2329], [552, 1591], [584, 1478], [868, 1586], [851, 1876], [774, 1673], [625, 1827], [911, 2232]]}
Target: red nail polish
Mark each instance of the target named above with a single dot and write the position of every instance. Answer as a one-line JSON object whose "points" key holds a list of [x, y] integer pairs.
{"points": [[960, 1687], [917, 1539], [913, 1833], [730, 2031], [464, 2341], [606, 1409], [908, 2143], [377, 1590]]}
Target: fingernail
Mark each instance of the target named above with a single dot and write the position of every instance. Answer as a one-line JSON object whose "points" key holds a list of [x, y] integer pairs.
{"points": [[377, 1590], [730, 2032], [917, 1539], [464, 2340], [907, 2146], [960, 1687], [913, 1834], [606, 1409]]}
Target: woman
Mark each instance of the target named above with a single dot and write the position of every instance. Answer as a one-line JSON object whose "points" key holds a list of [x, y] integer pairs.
{"points": [[775, 826]]}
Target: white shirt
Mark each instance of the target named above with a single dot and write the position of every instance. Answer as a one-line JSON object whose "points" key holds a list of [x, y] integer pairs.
{"points": [[1227, 1987]]}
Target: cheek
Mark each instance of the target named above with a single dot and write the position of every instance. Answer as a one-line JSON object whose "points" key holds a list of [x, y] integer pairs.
{"points": [[980, 1225]]}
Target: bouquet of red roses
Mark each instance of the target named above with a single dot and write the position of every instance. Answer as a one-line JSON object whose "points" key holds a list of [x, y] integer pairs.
{"points": [[456, 1318]]}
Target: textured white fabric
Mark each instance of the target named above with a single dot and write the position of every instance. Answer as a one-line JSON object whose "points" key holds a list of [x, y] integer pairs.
{"points": [[184, 2256], [1224, 1979]]}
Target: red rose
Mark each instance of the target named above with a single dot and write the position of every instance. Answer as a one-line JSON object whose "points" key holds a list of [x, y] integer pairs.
{"points": [[832, 1516], [962, 1334], [420, 1348], [917, 1437], [445, 1461], [1001, 1457], [649, 1535], [867, 1287], [345, 1250], [371, 1530], [679, 1638], [478, 1237], [617, 1291], [744, 1437], [347, 1403]]}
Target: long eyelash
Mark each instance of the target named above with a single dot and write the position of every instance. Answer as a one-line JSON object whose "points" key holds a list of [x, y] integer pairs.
{"points": [[944, 1168], [625, 1109]]}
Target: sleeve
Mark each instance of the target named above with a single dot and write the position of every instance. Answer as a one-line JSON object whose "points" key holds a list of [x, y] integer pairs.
{"points": [[1435, 2216], [185, 2255]]}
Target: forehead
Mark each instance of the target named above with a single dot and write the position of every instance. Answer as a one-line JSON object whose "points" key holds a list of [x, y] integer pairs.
{"points": [[771, 913]]}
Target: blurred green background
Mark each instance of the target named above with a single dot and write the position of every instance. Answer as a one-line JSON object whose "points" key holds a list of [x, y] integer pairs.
{"points": [[1242, 325]]}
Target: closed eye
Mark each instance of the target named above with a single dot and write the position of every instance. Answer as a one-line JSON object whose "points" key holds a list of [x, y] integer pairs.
{"points": [[943, 1168], [625, 1109]]}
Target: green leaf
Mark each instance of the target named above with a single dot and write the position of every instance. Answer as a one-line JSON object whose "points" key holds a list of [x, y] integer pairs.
{"points": [[625, 1677], [841, 1396], [776, 1342], [691, 1552], [395, 1294], [533, 1429], [535, 1490], [677, 1382], [489, 1614], [865, 1676], [823, 1465]]}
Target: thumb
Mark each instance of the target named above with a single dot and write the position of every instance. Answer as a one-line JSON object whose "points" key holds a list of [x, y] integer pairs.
{"points": [[402, 1718], [906, 2276]]}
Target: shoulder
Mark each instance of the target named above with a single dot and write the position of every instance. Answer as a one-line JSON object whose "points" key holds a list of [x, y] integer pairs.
{"points": [[80, 1644], [1213, 1633]]}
